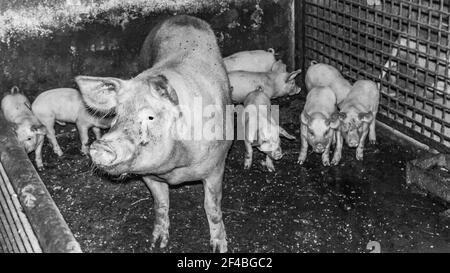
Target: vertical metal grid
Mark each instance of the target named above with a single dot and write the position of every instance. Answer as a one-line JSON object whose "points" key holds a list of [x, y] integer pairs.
{"points": [[403, 45]]}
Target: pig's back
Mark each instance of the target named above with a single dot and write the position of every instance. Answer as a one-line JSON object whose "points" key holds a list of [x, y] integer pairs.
{"points": [[187, 46], [61, 103], [15, 107], [364, 93], [326, 75], [322, 100], [252, 61]]}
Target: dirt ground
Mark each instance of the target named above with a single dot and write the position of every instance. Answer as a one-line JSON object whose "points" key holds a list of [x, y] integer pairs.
{"points": [[306, 208]]}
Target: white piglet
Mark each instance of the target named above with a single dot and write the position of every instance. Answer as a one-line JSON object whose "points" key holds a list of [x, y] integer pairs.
{"points": [[320, 74], [252, 61], [276, 83], [16, 109], [319, 122], [358, 115], [261, 130], [65, 105]]}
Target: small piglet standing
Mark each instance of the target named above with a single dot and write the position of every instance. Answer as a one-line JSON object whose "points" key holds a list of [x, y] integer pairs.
{"points": [[251, 61], [319, 122], [65, 105], [16, 109], [276, 83], [261, 130], [358, 115]]}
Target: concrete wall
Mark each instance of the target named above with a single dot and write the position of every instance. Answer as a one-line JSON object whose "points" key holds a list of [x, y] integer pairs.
{"points": [[45, 44]]}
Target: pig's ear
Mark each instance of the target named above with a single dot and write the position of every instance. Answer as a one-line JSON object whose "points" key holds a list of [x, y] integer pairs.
{"points": [[99, 93], [305, 118], [164, 89], [366, 117], [285, 134], [335, 120], [293, 75], [278, 66], [39, 129]]}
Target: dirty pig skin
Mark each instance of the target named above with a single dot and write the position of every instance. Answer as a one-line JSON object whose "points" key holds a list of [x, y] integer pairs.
{"points": [[186, 64]]}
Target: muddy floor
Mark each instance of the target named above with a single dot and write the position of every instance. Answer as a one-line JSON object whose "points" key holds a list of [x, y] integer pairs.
{"points": [[297, 209]]}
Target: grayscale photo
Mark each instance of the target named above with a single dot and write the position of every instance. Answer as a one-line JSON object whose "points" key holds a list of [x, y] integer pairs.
{"points": [[186, 128]]}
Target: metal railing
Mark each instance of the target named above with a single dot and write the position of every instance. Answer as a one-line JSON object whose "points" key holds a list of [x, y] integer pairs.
{"points": [[404, 46]]}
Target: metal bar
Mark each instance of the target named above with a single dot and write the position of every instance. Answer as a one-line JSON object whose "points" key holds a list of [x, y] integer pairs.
{"points": [[26, 233], [409, 43], [46, 220]]}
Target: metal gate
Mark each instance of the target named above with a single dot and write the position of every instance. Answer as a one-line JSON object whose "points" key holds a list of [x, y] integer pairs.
{"points": [[404, 45]]}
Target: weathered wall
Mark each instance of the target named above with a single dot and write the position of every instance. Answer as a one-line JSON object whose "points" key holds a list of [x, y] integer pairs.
{"points": [[65, 38]]}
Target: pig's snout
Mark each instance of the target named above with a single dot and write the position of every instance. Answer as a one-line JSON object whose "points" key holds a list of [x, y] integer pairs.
{"points": [[353, 143], [102, 154], [319, 148]]}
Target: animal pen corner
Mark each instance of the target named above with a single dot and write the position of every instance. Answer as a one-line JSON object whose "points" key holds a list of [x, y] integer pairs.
{"points": [[401, 44]]}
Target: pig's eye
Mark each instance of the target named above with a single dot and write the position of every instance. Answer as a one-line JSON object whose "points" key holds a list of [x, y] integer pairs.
{"points": [[29, 139], [150, 118]]}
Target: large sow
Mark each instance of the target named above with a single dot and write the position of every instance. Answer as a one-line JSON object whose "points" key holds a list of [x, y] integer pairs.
{"points": [[186, 66]]}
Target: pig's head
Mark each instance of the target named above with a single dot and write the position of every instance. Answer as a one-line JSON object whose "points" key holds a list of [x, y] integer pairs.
{"points": [[28, 134], [265, 136], [141, 138], [286, 85], [353, 124], [320, 129]]}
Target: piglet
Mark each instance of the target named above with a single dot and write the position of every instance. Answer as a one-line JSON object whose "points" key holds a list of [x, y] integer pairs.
{"points": [[261, 129], [252, 61], [319, 122], [358, 115], [16, 109], [65, 105], [276, 83], [320, 74]]}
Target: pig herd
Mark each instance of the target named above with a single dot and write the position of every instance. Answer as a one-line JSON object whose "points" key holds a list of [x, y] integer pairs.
{"points": [[183, 62]]}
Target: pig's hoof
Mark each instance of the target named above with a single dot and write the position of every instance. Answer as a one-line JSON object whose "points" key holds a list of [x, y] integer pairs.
{"points": [[359, 156], [326, 163], [373, 142], [301, 160], [219, 245], [59, 153], [271, 169], [335, 162], [41, 168], [159, 234], [247, 165]]}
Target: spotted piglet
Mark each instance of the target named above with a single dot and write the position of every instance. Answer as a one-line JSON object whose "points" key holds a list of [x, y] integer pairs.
{"points": [[319, 122], [65, 105], [358, 115], [261, 130]]}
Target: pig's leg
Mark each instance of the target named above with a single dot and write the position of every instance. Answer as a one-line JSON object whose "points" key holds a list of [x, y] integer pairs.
{"points": [[50, 126], [372, 133], [304, 148], [269, 164], [326, 155], [248, 155], [83, 130], [362, 141], [160, 193], [213, 199], [97, 132], [338, 150], [38, 153]]}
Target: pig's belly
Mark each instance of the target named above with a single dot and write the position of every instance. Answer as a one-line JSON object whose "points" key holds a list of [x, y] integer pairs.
{"points": [[67, 114]]}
